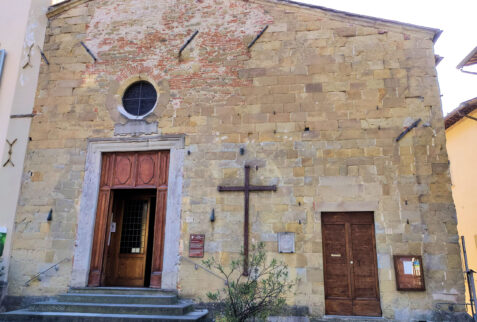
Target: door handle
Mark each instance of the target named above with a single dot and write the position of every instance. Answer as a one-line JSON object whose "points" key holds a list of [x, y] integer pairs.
{"points": [[112, 229]]}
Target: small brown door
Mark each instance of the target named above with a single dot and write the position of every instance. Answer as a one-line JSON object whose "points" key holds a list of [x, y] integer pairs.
{"points": [[350, 265], [128, 242]]}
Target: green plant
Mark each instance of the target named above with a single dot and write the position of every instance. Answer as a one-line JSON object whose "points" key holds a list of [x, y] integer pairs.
{"points": [[257, 295]]}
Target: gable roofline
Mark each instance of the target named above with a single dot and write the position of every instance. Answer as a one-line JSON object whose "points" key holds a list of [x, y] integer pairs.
{"points": [[67, 4], [435, 31], [470, 59], [464, 109], [63, 6]]}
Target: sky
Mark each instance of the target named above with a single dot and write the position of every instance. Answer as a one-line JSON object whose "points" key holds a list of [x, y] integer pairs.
{"points": [[455, 17]]}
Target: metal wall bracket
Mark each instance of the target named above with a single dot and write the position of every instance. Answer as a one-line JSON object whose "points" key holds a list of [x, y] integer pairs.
{"points": [[21, 116], [43, 56], [88, 51], [28, 63], [467, 116], [257, 37], [10, 151], [188, 42], [413, 125]]}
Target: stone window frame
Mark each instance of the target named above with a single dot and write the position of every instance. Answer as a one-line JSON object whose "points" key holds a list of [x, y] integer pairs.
{"points": [[89, 199], [125, 85]]}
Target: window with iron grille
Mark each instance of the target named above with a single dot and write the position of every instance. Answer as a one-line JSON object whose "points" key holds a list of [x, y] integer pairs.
{"points": [[139, 98], [133, 233]]}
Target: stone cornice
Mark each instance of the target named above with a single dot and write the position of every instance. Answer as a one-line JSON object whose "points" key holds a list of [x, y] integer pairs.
{"points": [[63, 6], [345, 14]]}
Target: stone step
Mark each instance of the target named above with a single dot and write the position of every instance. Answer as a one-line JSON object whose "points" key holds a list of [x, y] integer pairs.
{"points": [[350, 318], [121, 290], [180, 308], [118, 298], [24, 315], [110, 304]]}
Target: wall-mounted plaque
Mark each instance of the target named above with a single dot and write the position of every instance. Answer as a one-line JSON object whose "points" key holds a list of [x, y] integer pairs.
{"points": [[286, 242], [196, 245], [409, 273]]}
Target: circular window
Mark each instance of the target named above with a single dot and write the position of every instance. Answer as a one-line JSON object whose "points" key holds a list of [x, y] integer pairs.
{"points": [[139, 98]]}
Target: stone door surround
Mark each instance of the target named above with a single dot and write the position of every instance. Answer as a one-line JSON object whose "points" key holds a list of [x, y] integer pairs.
{"points": [[89, 199]]}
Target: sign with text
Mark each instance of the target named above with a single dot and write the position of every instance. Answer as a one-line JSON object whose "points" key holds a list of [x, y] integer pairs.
{"points": [[196, 245], [409, 273]]}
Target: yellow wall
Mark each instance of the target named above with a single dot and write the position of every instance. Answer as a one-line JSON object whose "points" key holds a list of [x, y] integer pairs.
{"points": [[462, 151]]}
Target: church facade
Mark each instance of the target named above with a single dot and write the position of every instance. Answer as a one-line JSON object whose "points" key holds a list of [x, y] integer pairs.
{"points": [[147, 107]]}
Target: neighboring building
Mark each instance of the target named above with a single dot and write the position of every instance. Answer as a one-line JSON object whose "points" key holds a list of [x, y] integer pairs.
{"points": [[469, 61], [461, 136], [22, 34], [128, 128]]}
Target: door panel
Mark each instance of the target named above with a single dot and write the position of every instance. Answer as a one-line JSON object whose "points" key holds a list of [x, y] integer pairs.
{"points": [[364, 270], [350, 266], [160, 222], [128, 248], [146, 169], [130, 271], [337, 270], [159, 225], [96, 264], [124, 173], [366, 307], [338, 307]]}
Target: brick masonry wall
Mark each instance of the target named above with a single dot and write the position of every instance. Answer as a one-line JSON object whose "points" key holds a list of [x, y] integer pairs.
{"points": [[354, 83]]}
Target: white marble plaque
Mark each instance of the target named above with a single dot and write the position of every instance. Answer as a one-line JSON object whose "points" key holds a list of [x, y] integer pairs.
{"points": [[286, 242]]}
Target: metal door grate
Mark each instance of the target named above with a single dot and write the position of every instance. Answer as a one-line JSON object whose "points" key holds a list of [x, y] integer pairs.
{"points": [[133, 233]]}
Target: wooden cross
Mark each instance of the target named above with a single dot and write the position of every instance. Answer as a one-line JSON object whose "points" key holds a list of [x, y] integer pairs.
{"points": [[246, 188]]}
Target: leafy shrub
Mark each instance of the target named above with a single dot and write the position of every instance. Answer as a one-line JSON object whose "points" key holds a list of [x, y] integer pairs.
{"points": [[259, 294]]}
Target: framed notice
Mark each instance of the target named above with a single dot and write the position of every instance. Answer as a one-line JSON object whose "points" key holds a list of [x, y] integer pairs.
{"points": [[409, 273], [196, 245]]}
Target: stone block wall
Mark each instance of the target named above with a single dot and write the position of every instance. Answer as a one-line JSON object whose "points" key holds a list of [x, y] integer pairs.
{"points": [[316, 103]]}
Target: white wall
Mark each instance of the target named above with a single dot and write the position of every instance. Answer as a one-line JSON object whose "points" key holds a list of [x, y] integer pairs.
{"points": [[13, 22], [22, 23]]}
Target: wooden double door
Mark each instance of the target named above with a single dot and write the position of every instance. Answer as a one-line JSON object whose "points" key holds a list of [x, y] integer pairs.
{"points": [[128, 242], [350, 264]]}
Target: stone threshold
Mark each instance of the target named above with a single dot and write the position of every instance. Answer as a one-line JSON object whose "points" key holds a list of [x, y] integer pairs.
{"points": [[353, 318]]}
